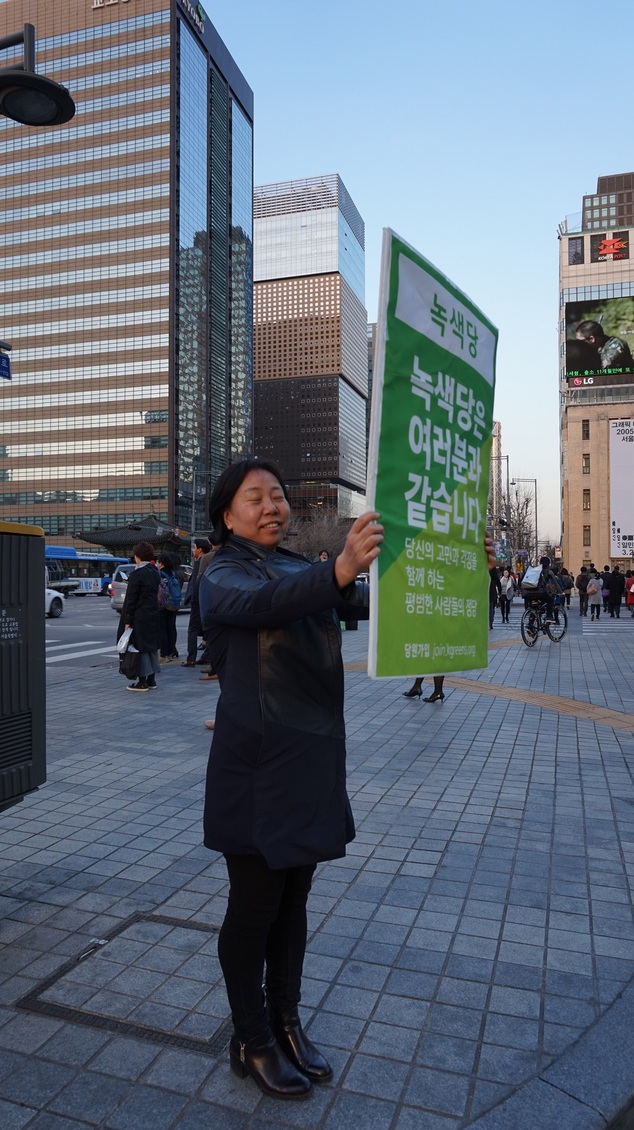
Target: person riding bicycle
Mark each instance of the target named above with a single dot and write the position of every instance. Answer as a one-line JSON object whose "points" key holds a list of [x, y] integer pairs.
{"points": [[548, 587]]}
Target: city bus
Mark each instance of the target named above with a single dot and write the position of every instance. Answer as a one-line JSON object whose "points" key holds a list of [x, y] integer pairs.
{"points": [[71, 570]]}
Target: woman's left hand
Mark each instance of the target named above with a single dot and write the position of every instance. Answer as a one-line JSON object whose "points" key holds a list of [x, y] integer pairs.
{"points": [[363, 544], [490, 552]]}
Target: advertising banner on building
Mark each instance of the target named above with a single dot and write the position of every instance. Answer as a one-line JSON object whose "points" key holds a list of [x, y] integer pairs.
{"points": [[621, 480], [428, 470], [609, 248], [600, 341]]}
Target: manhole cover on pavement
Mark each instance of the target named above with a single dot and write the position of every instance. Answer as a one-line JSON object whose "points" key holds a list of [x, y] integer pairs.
{"points": [[156, 977]]}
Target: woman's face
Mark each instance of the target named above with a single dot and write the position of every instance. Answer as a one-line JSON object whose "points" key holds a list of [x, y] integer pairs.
{"points": [[258, 510]]}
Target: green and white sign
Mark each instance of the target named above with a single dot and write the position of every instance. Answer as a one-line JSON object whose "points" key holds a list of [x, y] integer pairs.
{"points": [[428, 472]]}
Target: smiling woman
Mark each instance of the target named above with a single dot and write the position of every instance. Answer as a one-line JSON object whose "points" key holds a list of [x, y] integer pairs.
{"points": [[259, 509], [276, 801]]}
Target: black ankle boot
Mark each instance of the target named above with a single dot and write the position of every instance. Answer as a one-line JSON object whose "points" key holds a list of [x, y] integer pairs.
{"points": [[288, 1031], [263, 1059]]}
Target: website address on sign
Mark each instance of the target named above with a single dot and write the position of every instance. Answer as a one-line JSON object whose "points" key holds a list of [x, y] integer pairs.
{"points": [[447, 649]]}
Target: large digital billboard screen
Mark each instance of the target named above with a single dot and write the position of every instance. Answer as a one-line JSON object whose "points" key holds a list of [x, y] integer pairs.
{"points": [[600, 339], [621, 478]]}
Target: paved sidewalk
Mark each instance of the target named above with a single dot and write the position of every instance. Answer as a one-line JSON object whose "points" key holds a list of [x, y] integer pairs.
{"points": [[470, 962]]}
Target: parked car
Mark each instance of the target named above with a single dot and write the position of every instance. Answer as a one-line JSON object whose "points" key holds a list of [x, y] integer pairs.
{"points": [[117, 587], [118, 584], [53, 603]]}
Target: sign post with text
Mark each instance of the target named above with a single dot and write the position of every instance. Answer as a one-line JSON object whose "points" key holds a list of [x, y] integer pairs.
{"points": [[428, 470]]}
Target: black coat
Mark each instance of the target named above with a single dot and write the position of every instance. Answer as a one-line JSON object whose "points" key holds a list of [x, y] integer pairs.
{"points": [[140, 608], [617, 587], [276, 778], [192, 599]]}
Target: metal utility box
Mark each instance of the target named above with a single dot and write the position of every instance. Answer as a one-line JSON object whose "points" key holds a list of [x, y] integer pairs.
{"points": [[22, 662]]}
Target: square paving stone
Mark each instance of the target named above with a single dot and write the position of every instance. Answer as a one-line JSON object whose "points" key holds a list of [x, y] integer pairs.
{"points": [[358, 1110], [125, 1058], [448, 1053], [372, 1076], [390, 1041], [36, 1083], [437, 1091], [99, 1094], [147, 1108], [411, 1118], [183, 1072], [13, 1117]]}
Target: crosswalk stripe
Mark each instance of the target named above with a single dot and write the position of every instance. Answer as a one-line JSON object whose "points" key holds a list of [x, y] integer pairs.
{"points": [[60, 646], [111, 650]]}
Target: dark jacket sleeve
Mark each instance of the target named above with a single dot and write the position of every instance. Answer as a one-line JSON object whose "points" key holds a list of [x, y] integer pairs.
{"points": [[495, 588], [230, 593], [131, 599], [193, 581]]}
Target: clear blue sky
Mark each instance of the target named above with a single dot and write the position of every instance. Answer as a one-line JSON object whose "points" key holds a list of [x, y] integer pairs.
{"points": [[471, 129]]}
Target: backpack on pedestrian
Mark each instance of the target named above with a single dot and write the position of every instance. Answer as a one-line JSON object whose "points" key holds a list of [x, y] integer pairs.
{"points": [[169, 592]]}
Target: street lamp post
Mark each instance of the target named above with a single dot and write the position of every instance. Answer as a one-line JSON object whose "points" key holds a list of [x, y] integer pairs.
{"points": [[29, 98], [514, 483], [498, 459]]}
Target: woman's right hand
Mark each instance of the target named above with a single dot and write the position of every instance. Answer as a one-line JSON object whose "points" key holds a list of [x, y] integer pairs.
{"points": [[363, 544]]}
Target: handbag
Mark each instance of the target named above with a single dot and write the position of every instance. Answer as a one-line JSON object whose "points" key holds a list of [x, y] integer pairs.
{"points": [[592, 589], [128, 656], [129, 664]]}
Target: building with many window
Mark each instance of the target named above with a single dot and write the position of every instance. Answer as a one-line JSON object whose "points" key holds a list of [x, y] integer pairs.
{"points": [[127, 270], [596, 371], [310, 341]]}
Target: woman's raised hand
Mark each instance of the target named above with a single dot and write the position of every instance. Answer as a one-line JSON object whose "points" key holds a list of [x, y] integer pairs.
{"points": [[363, 544], [490, 552]]}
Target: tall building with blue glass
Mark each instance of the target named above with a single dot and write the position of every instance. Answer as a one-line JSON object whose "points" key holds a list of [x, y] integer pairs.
{"points": [[310, 341], [127, 270]]}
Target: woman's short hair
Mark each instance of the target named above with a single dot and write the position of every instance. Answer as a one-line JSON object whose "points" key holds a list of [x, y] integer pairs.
{"points": [[168, 560], [143, 550], [226, 486]]}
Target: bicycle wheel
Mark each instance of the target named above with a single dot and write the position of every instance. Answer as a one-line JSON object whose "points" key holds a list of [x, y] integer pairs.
{"points": [[529, 627], [557, 631]]}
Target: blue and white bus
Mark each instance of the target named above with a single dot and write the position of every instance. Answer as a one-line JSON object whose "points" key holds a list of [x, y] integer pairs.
{"points": [[70, 570]]}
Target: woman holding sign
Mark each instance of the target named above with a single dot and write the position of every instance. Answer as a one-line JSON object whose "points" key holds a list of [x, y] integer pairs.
{"points": [[276, 801]]}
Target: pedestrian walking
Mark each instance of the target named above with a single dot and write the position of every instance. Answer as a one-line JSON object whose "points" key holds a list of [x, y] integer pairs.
{"points": [[568, 584], [507, 588], [169, 598], [416, 690], [276, 801], [581, 584], [629, 595], [140, 612], [204, 660], [606, 581], [194, 628], [495, 588], [594, 595], [617, 589]]}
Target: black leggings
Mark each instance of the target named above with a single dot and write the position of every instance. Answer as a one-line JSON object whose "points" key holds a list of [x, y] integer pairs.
{"points": [[167, 626], [265, 922]]}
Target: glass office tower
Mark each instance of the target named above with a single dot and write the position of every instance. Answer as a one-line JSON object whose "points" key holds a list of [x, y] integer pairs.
{"points": [[310, 341], [127, 270]]}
